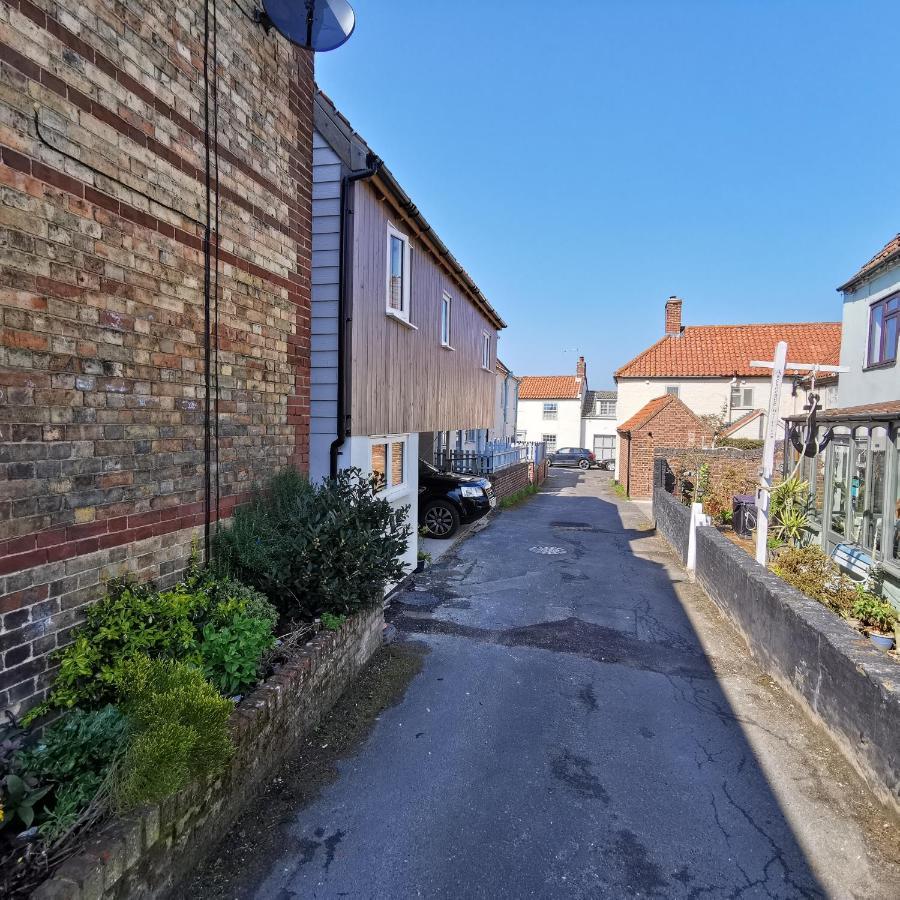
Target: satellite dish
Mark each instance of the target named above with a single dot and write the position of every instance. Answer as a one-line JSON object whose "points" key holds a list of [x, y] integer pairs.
{"points": [[318, 25]]}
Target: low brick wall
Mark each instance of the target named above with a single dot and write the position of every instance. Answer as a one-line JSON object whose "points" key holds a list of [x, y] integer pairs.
{"points": [[146, 853], [672, 520], [508, 481]]}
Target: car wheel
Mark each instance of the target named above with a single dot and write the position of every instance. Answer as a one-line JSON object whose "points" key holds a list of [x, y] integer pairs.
{"points": [[440, 519], [584, 464]]}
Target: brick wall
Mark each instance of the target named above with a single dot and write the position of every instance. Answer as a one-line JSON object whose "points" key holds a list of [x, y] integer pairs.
{"points": [[146, 853], [674, 426], [510, 480], [730, 463], [102, 296]]}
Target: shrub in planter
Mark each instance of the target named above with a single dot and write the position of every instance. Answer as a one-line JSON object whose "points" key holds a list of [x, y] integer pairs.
{"points": [[133, 621], [874, 613], [178, 729], [810, 570], [73, 759], [330, 547]]}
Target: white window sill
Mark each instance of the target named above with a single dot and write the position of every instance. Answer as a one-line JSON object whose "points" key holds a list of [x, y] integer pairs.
{"points": [[447, 346], [398, 318], [395, 492]]}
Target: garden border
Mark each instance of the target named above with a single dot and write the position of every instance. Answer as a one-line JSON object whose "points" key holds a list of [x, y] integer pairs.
{"points": [[835, 673], [146, 853]]}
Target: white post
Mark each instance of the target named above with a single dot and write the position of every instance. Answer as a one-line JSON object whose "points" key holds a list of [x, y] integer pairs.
{"points": [[698, 518], [768, 458]]}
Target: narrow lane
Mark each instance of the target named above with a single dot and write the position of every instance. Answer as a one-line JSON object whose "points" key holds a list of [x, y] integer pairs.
{"points": [[585, 724]]}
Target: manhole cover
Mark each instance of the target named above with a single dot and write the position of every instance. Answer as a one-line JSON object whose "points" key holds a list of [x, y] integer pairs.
{"points": [[548, 551]]}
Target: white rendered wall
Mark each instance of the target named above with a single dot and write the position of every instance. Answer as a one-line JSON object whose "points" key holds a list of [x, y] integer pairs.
{"points": [[566, 427]]}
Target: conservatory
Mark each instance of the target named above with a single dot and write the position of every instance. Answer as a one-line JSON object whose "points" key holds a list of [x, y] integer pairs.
{"points": [[854, 484]]}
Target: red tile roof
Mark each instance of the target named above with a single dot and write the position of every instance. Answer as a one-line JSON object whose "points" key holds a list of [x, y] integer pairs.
{"points": [[888, 252], [647, 412], [725, 350], [549, 387]]}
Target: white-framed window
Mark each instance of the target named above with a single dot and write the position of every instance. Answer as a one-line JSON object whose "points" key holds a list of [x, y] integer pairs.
{"points": [[605, 446], [446, 319], [389, 463], [397, 286], [741, 397], [485, 351], [550, 441], [672, 389], [606, 408], [551, 410], [521, 436]]}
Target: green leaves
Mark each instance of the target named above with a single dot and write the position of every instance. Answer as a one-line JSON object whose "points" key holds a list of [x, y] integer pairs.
{"points": [[316, 548], [20, 798]]}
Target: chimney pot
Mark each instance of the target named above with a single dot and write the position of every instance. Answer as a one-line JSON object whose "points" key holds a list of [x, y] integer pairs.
{"points": [[673, 316]]}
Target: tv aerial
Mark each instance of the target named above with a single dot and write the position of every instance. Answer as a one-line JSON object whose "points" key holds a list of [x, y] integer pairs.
{"points": [[318, 25]]}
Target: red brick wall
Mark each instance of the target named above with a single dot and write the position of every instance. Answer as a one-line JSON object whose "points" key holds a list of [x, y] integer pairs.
{"points": [[674, 426], [508, 481], [102, 300]]}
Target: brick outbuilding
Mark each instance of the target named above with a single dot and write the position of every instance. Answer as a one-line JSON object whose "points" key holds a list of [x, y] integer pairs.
{"points": [[663, 422]]}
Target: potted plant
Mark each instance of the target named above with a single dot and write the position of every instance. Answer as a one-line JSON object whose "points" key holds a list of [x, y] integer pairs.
{"points": [[424, 558], [877, 617]]}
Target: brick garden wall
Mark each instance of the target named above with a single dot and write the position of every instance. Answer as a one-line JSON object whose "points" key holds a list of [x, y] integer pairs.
{"points": [[148, 852], [102, 300], [721, 461], [510, 480]]}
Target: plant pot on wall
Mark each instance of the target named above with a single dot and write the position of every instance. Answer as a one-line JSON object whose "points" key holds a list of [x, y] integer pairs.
{"points": [[882, 641]]}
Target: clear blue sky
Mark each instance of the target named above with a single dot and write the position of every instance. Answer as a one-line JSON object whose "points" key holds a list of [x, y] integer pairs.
{"points": [[585, 165]]}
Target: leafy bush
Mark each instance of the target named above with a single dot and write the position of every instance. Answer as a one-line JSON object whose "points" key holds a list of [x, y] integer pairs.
{"points": [[789, 510], [329, 547], [134, 621], [179, 729], [233, 643], [810, 570], [332, 622], [742, 443], [874, 613], [73, 759]]}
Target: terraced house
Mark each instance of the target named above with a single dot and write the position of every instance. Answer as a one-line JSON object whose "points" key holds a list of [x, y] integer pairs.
{"points": [[147, 375], [404, 343]]}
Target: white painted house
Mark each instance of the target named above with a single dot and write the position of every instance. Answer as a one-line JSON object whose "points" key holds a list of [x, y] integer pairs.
{"points": [[708, 368], [598, 423], [550, 408]]}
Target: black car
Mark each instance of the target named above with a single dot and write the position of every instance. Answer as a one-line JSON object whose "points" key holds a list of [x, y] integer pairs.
{"points": [[446, 500], [572, 456], [608, 465]]}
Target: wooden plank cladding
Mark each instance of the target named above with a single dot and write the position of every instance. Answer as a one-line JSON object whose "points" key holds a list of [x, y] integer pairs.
{"points": [[404, 380]]}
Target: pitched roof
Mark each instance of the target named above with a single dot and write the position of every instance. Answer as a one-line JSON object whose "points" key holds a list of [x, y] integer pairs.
{"points": [[652, 409], [883, 411], [738, 424], [350, 145], [726, 350], [549, 387], [591, 398], [888, 252]]}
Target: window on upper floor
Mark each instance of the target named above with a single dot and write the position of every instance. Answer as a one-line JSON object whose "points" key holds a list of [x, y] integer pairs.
{"points": [[446, 312], [606, 408], [485, 351], [551, 410], [741, 397], [884, 325], [397, 301], [672, 389]]}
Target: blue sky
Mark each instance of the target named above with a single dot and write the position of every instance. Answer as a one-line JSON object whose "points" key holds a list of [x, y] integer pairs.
{"points": [[584, 165]]}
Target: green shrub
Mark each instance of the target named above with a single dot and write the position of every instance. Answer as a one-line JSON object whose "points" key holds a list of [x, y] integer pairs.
{"points": [[810, 570], [332, 622], [873, 612], [233, 643], [330, 547], [518, 496], [73, 758], [179, 729], [742, 443], [133, 621], [788, 510]]}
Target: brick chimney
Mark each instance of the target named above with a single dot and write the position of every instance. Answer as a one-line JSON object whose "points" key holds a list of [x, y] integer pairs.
{"points": [[673, 315], [581, 369]]}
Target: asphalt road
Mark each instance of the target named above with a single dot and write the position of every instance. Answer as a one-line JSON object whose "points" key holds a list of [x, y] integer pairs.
{"points": [[585, 725]]}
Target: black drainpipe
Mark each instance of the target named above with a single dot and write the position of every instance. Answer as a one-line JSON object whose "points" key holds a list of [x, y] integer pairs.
{"points": [[345, 305]]}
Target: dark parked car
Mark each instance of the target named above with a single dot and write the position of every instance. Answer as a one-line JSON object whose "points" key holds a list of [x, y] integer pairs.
{"points": [[608, 465], [446, 500], [572, 456]]}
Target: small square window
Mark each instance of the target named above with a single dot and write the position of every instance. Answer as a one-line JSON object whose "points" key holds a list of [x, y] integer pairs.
{"points": [[446, 310], [388, 460], [551, 410], [606, 408], [672, 389], [741, 397], [550, 441]]}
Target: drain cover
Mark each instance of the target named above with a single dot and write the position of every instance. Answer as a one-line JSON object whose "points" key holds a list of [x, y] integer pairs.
{"points": [[548, 551]]}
